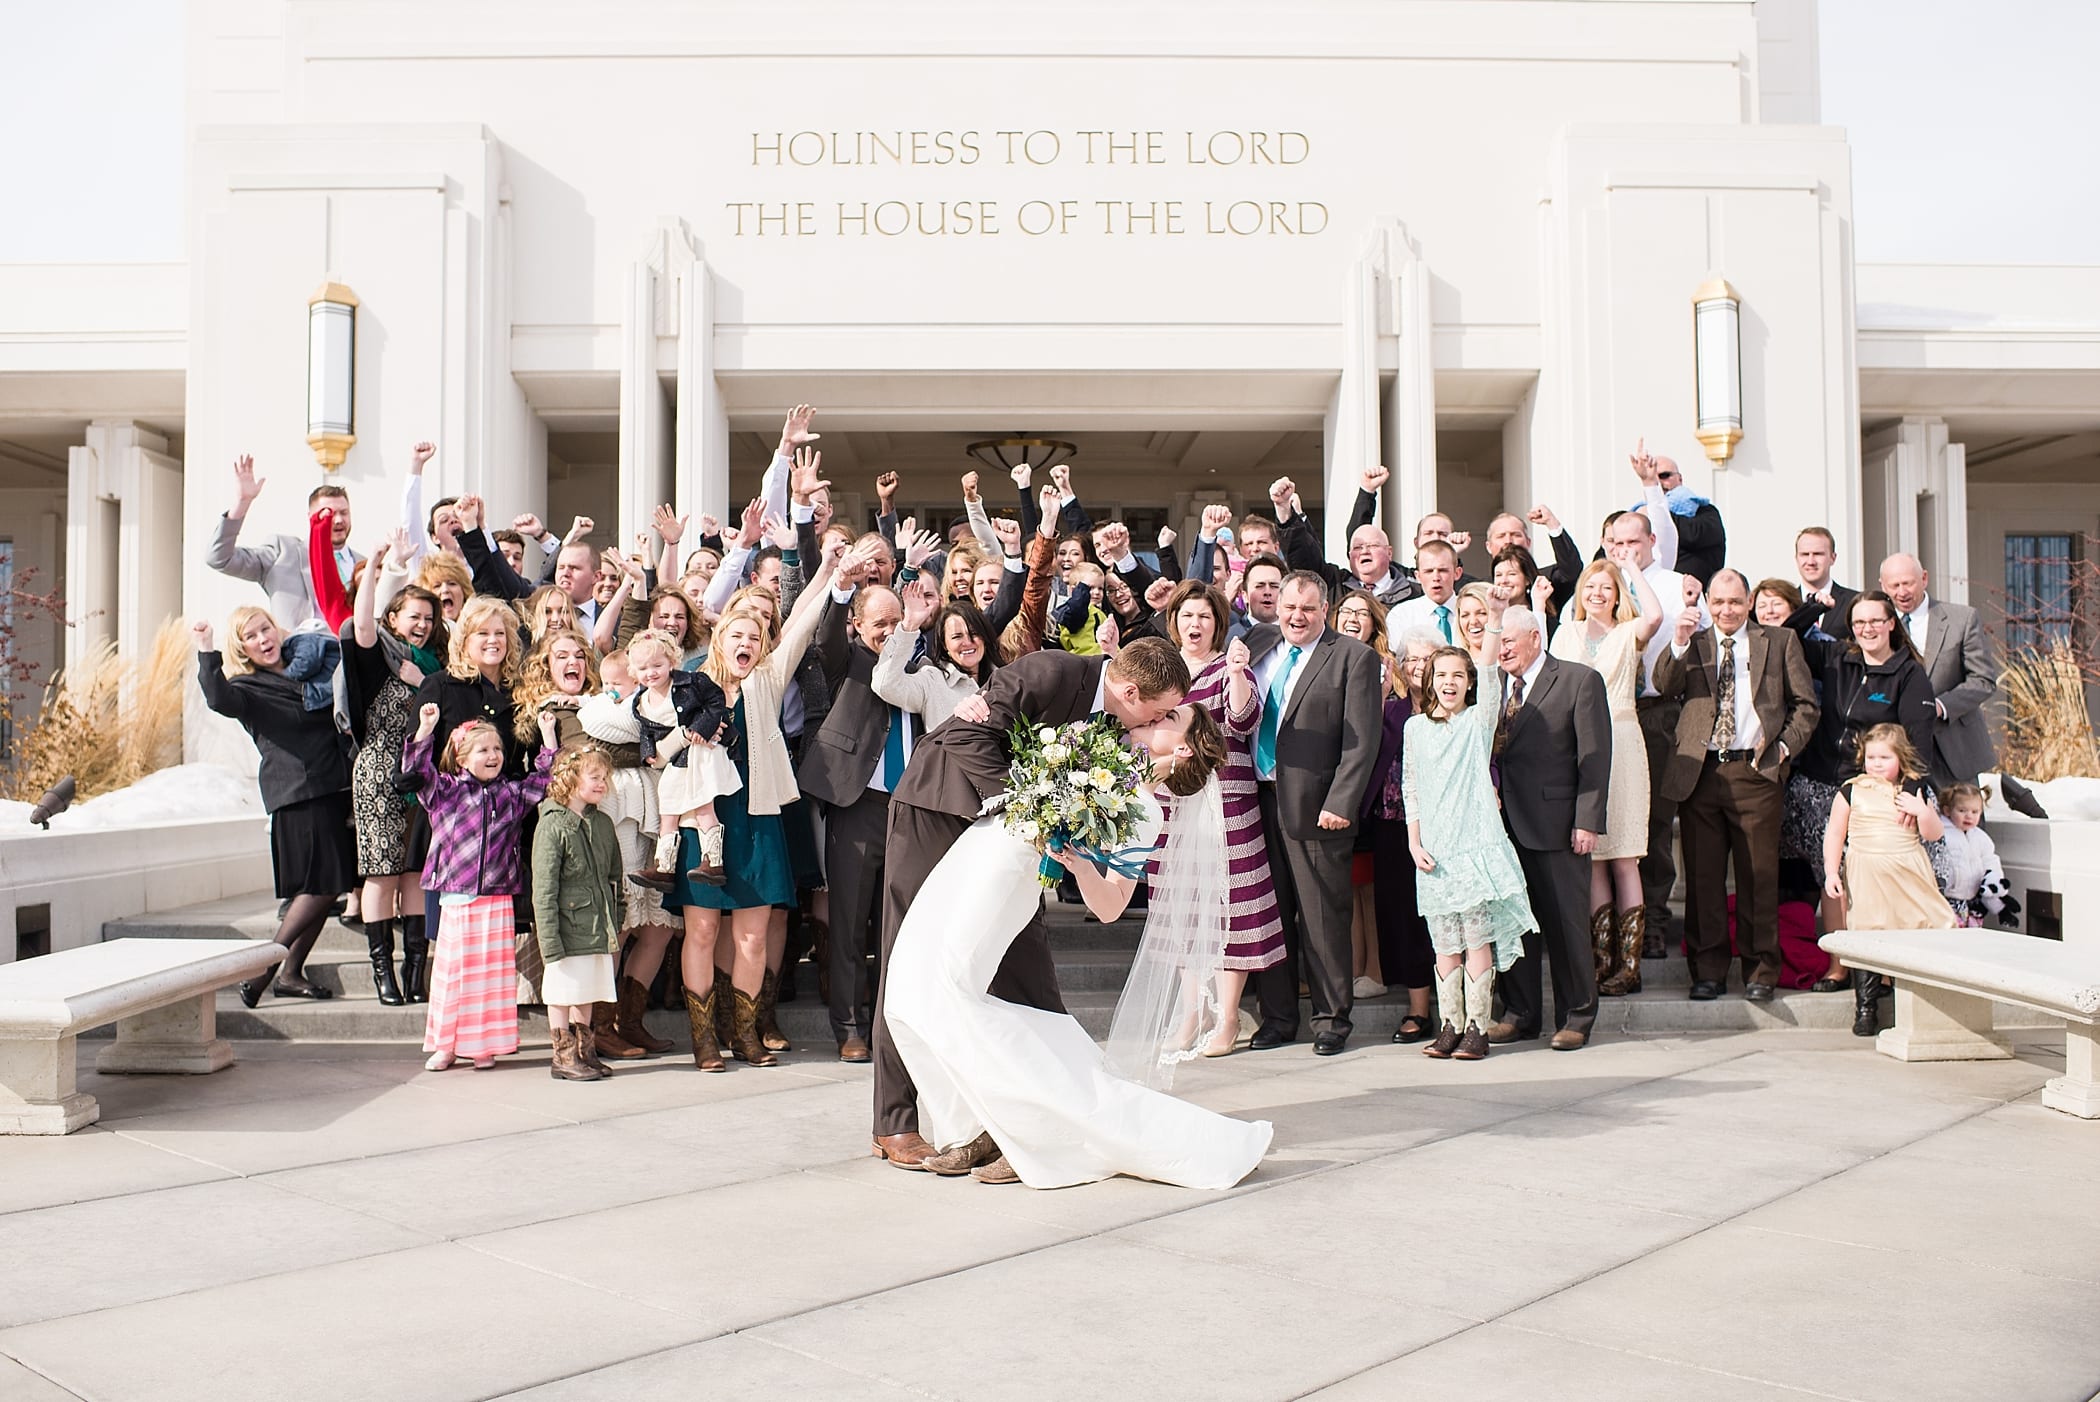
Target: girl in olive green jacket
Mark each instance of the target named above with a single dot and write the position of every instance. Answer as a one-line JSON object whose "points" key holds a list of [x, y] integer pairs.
{"points": [[578, 901]]}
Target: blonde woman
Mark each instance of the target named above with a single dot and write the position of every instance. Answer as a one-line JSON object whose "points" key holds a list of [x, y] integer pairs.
{"points": [[549, 609], [753, 673], [305, 785], [447, 577], [1601, 630]]}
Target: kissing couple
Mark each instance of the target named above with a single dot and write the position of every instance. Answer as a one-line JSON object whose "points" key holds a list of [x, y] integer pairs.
{"points": [[978, 1068]]}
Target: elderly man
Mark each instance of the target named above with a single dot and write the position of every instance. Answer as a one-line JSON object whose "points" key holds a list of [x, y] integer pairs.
{"points": [[1555, 743], [1695, 541], [1313, 757], [1748, 706], [1958, 658], [279, 565], [1371, 565]]}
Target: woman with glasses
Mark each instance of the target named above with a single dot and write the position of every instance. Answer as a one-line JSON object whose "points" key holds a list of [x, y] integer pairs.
{"points": [[1875, 677]]}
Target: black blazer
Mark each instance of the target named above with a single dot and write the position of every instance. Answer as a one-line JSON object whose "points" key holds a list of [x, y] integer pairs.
{"points": [[1556, 756], [302, 755], [460, 701], [958, 765]]}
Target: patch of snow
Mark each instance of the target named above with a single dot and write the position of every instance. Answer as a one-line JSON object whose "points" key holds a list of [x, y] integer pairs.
{"points": [[2074, 799], [182, 794]]}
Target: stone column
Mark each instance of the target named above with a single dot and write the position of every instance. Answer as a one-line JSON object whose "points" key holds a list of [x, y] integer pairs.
{"points": [[1916, 493], [38, 1090], [123, 537], [1410, 404]]}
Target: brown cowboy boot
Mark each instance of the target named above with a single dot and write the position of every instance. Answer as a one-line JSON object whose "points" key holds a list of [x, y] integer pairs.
{"points": [[634, 1001], [1604, 940], [744, 1042], [605, 1035], [566, 1066], [725, 1012], [700, 1012], [768, 1025], [587, 1047], [1633, 931]]}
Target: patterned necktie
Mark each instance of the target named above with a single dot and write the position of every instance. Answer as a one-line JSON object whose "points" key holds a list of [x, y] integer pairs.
{"points": [[1724, 698], [1272, 715], [1443, 620], [1510, 704]]}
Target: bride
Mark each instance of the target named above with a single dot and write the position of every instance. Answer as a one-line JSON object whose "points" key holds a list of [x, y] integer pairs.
{"points": [[1061, 1111]]}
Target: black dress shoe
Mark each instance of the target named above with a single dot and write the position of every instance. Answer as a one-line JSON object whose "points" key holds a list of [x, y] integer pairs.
{"points": [[1831, 985], [1269, 1038], [1758, 992], [1706, 990], [1328, 1043], [1413, 1028]]}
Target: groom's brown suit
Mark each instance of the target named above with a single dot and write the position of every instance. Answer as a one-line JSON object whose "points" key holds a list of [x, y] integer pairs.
{"points": [[953, 770]]}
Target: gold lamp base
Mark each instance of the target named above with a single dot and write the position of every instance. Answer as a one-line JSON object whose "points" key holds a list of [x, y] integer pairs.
{"points": [[331, 448], [1719, 443]]}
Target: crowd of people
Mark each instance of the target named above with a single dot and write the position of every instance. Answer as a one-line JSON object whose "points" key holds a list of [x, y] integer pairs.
{"points": [[1432, 785]]}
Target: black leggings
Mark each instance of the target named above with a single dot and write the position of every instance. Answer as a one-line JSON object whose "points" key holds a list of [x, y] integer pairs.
{"points": [[1404, 953]]}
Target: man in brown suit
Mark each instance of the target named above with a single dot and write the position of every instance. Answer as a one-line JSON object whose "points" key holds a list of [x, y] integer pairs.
{"points": [[954, 770], [1749, 706]]}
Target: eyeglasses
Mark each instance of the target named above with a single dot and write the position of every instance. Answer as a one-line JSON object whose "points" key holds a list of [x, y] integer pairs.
{"points": [[1859, 623]]}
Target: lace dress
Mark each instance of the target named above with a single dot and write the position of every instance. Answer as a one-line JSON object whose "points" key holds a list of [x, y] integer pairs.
{"points": [[1617, 658], [1476, 894], [384, 816]]}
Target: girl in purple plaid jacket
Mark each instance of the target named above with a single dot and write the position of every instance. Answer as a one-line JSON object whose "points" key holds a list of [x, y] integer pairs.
{"points": [[477, 820]]}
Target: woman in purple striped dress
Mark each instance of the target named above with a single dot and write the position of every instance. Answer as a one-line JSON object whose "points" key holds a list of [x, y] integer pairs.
{"points": [[1223, 683]]}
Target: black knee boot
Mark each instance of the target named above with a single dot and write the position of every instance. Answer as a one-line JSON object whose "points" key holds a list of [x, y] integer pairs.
{"points": [[415, 961], [1866, 1003], [379, 942]]}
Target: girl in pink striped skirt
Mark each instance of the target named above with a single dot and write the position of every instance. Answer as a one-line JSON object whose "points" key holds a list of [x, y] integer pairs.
{"points": [[477, 820]]}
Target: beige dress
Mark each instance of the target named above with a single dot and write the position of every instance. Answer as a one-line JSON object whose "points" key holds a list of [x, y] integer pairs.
{"points": [[1617, 658], [1889, 883]]}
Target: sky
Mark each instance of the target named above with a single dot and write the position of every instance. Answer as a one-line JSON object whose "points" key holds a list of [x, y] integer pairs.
{"points": [[1973, 126]]}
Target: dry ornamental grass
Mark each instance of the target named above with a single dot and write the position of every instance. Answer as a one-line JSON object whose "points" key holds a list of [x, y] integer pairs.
{"points": [[2048, 733], [107, 721]]}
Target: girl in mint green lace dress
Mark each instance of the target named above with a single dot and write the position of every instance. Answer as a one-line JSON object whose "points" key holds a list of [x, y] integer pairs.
{"points": [[1468, 885]]}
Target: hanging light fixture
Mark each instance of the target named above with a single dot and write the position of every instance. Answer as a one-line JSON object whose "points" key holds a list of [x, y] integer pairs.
{"points": [[1717, 337], [1003, 455], [331, 373]]}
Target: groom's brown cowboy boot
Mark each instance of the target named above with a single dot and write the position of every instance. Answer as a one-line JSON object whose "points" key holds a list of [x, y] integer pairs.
{"points": [[906, 1150]]}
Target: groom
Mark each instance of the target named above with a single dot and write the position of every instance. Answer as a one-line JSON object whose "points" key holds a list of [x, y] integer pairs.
{"points": [[953, 770]]}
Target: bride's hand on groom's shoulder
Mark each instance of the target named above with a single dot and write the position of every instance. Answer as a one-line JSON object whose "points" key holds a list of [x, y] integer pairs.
{"points": [[975, 710]]}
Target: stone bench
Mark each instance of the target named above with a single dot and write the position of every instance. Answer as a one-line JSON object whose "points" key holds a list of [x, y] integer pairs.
{"points": [[159, 993], [1946, 981]]}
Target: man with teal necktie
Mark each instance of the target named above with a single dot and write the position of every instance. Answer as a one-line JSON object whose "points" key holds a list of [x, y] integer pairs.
{"points": [[1314, 751], [1436, 607]]}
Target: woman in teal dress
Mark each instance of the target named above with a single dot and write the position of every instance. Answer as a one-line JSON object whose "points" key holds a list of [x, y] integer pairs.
{"points": [[753, 673], [1468, 887]]}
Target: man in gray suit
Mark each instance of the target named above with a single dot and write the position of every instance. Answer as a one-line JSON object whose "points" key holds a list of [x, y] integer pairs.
{"points": [[279, 565], [1313, 755], [1555, 743], [1958, 658]]}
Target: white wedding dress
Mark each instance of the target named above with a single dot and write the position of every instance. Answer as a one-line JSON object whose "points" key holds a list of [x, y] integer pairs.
{"points": [[1035, 1080]]}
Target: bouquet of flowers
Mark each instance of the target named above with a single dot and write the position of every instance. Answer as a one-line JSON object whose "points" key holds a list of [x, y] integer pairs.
{"points": [[1075, 787]]}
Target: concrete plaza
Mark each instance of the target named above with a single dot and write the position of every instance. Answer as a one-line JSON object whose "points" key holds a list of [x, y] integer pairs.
{"points": [[1750, 1215]]}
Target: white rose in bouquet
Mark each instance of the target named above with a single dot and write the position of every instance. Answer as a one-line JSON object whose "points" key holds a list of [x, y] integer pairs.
{"points": [[1054, 753]]}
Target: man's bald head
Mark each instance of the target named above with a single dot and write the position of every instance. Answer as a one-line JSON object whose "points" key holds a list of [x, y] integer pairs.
{"points": [[1904, 580]]}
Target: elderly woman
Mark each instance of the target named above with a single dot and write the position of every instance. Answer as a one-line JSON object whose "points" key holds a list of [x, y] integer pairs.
{"points": [[1222, 683], [305, 781], [1402, 944], [1603, 632], [1774, 601], [961, 655], [754, 674], [384, 661]]}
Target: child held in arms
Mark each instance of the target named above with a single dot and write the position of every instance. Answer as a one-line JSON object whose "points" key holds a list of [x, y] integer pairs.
{"points": [[685, 727]]}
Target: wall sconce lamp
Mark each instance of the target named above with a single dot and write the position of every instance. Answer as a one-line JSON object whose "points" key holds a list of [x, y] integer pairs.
{"points": [[331, 373], [1717, 335]]}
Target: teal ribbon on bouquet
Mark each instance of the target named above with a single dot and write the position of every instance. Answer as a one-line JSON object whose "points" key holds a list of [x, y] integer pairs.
{"points": [[1130, 863]]}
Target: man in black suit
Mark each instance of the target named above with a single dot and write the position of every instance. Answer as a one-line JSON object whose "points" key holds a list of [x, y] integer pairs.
{"points": [[1313, 756], [856, 758], [1555, 743], [953, 771], [1815, 555]]}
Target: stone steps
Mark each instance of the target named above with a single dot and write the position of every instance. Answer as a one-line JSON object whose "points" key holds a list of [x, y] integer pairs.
{"points": [[1093, 960]]}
